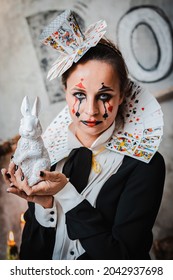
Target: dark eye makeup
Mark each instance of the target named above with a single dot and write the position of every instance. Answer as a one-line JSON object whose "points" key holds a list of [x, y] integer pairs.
{"points": [[105, 97], [79, 95]]}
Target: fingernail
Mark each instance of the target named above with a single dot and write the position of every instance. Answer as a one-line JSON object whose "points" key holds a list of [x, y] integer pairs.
{"points": [[16, 167], [8, 175], [22, 178], [42, 174]]}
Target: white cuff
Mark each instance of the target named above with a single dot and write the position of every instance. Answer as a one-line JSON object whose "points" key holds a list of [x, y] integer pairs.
{"points": [[47, 217], [68, 197]]}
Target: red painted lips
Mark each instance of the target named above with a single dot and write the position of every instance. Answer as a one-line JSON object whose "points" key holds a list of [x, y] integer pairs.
{"points": [[91, 123]]}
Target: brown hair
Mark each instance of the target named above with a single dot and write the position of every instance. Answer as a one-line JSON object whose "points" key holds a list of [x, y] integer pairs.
{"points": [[106, 51]]}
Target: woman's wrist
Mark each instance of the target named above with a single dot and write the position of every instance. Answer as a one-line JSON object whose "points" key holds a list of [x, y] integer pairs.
{"points": [[48, 202]]}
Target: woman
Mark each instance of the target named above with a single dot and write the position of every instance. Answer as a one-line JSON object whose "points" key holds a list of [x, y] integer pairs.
{"points": [[101, 200]]}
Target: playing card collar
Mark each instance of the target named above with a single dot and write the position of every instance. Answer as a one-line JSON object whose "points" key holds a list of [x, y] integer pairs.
{"points": [[143, 129], [140, 137]]}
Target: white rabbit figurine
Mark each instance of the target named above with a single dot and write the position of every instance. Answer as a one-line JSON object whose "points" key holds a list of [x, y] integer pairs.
{"points": [[31, 155]]}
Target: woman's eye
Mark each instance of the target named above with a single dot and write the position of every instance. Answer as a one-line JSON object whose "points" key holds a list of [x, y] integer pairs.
{"points": [[104, 97], [79, 95]]}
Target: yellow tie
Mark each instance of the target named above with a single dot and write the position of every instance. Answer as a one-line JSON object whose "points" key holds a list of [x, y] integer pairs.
{"points": [[96, 165]]}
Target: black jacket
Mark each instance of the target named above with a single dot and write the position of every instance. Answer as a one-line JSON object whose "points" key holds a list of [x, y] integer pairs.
{"points": [[120, 227]]}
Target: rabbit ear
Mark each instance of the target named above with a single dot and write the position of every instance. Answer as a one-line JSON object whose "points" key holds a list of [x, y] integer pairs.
{"points": [[36, 107], [25, 107]]}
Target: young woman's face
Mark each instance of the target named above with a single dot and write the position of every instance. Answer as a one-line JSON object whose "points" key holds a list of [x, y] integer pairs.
{"points": [[93, 97]]}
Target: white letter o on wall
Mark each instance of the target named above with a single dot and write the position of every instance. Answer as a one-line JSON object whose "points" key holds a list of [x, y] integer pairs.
{"points": [[161, 30]]}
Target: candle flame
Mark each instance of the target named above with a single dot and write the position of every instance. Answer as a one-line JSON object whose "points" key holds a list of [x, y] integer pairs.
{"points": [[11, 238], [22, 220], [11, 235]]}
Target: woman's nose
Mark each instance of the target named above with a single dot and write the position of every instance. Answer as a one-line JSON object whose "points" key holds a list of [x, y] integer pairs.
{"points": [[91, 107]]}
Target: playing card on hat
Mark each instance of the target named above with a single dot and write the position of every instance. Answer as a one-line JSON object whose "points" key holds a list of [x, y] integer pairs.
{"points": [[64, 35]]}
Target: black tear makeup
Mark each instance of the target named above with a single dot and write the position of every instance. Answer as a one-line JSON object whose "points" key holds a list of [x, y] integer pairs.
{"points": [[110, 108], [77, 113], [105, 116]]}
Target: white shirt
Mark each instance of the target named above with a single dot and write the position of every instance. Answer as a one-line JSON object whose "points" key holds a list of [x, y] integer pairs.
{"points": [[68, 197]]}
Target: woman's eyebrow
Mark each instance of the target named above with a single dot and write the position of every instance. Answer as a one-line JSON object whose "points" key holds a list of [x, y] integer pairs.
{"points": [[78, 89], [105, 88]]}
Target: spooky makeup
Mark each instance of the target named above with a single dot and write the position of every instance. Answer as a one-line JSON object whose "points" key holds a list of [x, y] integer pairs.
{"points": [[73, 110], [102, 95], [91, 123], [80, 85], [105, 98], [79, 96]]}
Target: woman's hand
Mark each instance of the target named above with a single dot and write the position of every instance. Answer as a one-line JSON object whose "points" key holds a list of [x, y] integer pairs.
{"points": [[53, 182], [41, 193], [44, 201]]}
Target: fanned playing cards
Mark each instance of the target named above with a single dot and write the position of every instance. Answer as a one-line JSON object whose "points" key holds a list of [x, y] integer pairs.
{"points": [[143, 129], [64, 35]]}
